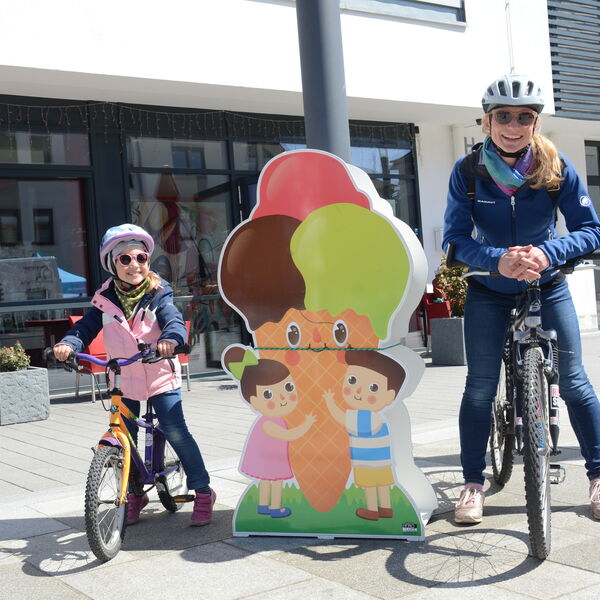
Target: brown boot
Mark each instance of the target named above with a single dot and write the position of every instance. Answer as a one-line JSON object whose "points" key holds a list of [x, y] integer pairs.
{"points": [[385, 513]]}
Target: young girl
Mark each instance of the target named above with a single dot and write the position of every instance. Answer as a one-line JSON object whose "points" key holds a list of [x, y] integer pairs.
{"points": [[268, 387], [135, 305]]}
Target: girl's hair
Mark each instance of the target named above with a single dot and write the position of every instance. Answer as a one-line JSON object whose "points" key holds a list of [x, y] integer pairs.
{"points": [[548, 165], [155, 280], [266, 372], [380, 363]]}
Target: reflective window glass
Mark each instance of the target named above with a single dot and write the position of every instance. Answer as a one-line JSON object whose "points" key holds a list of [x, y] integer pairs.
{"points": [[400, 193], [156, 152], [23, 147], [187, 216], [37, 262], [392, 161], [253, 156], [592, 160]]}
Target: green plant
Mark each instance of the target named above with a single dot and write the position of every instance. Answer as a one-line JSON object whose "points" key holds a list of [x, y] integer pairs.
{"points": [[13, 358], [454, 289]]}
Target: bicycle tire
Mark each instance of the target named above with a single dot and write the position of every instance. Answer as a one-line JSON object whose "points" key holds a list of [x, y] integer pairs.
{"points": [[105, 522], [536, 453], [172, 484], [502, 443]]}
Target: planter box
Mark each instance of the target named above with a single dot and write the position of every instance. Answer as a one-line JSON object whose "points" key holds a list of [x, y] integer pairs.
{"points": [[448, 341], [24, 396]]}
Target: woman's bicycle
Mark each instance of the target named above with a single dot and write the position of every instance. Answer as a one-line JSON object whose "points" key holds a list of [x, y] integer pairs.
{"points": [[525, 412], [118, 465]]}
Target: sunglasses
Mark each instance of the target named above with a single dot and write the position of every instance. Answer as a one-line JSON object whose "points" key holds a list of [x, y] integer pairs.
{"points": [[504, 117], [140, 259]]}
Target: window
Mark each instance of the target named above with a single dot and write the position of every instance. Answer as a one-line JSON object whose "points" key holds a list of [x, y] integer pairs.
{"points": [[43, 226], [449, 12], [10, 227]]}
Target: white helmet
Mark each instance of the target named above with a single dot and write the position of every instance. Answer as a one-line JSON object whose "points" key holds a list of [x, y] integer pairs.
{"points": [[513, 90], [118, 234]]}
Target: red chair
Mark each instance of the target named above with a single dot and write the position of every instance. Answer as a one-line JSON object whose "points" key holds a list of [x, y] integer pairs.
{"points": [[96, 348], [435, 310], [184, 359]]}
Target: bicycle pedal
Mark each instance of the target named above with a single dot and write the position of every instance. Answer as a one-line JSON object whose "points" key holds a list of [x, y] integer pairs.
{"points": [[556, 474], [184, 498]]}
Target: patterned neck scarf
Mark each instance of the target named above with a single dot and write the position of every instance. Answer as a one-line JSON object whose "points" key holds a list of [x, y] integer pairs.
{"points": [[130, 299], [507, 178]]}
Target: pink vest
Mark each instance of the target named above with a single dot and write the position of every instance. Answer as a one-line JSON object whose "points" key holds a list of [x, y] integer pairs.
{"points": [[138, 381]]}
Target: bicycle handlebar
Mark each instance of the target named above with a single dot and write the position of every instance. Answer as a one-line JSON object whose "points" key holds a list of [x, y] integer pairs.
{"points": [[147, 354], [567, 267]]}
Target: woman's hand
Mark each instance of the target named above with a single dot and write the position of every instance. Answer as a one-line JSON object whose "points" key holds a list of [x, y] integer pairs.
{"points": [[523, 262], [62, 351]]}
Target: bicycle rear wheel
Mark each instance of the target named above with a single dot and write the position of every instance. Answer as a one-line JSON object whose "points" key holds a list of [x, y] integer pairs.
{"points": [[173, 484], [501, 442], [105, 522], [536, 452]]}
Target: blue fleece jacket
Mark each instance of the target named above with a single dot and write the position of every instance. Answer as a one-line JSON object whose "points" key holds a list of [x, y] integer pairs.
{"points": [[482, 229]]}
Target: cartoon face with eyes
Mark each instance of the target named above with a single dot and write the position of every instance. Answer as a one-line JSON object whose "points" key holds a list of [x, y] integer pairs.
{"points": [[276, 400], [365, 389]]}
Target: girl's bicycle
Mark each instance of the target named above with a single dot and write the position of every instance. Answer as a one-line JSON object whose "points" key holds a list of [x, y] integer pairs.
{"points": [[525, 417], [118, 464]]}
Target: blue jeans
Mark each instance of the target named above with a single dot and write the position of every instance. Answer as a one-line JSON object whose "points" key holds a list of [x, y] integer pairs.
{"points": [[487, 316], [169, 411]]}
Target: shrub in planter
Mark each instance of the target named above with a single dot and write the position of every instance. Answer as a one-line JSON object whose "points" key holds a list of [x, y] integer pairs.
{"points": [[13, 358], [454, 289], [24, 390]]}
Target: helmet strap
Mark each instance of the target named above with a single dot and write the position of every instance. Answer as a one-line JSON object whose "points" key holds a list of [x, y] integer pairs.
{"points": [[516, 154]]}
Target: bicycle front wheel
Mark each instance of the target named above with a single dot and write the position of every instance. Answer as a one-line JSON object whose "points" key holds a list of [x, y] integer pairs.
{"points": [[104, 520], [501, 442], [536, 452], [174, 483]]}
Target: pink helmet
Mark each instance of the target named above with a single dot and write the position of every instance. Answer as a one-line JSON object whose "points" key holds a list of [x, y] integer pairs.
{"points": [[122, 233]]}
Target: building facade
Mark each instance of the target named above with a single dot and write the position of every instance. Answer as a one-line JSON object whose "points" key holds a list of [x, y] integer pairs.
{"points": [[165, 116]]}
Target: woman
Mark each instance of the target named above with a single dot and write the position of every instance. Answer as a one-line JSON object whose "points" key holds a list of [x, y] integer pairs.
{"points": [[502, 190]]}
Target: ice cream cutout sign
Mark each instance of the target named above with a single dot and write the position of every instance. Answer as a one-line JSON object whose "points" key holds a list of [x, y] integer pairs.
{"points": [[326, 279]]}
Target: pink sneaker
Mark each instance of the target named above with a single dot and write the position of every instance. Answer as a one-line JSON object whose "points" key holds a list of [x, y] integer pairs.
{"points": [[469, 508], [134, 507], [595, 497], [203, 506]]}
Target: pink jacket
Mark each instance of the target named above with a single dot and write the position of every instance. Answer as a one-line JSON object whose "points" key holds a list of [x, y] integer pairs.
{"points": [[138, 381]]}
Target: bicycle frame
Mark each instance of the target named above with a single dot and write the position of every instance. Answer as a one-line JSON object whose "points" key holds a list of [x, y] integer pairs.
{"points": [[118, 434]]}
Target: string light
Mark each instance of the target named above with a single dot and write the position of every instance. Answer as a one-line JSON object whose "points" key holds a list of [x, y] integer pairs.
{"points": [[150, 122]]}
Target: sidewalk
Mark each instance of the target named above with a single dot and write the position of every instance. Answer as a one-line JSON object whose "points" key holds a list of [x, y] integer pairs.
{"points": [[44, 552]]}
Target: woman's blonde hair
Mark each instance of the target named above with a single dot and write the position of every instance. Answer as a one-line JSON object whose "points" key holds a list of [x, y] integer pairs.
{"points": [[547, 163]]}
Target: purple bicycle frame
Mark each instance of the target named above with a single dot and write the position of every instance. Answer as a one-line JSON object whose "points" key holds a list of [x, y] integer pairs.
{"points": [[155, 446]]}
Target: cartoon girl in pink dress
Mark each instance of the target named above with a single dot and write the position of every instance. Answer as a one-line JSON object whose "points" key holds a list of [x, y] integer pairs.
{"points": [[268, 387]]}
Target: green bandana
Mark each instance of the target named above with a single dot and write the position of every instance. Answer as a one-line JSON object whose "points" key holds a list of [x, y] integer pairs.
{"points": [[129, 300]]}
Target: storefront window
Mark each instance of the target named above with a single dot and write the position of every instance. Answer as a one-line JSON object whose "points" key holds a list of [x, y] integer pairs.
{"points": [[400, 193], [187, 216], [392, 161], [35, 262], [253, 156], [24, 147], [159, 153]]}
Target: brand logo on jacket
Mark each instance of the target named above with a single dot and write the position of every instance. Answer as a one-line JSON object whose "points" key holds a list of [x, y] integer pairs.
{"points": [[486, 201], [584, 200]]}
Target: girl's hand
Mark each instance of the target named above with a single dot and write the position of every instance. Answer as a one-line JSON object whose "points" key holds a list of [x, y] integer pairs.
{"points": [[165, 348], [62, 351]]}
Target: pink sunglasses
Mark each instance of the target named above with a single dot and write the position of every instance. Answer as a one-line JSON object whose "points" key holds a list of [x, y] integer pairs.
{"points": [[125, 259]]}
